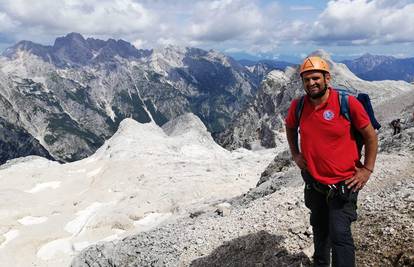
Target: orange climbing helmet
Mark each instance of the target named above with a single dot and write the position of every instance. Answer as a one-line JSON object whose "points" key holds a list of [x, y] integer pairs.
{"points": [[314, 63]]}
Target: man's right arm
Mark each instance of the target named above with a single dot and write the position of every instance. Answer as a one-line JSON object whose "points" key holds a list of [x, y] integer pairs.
{"points": [[292, 137]]}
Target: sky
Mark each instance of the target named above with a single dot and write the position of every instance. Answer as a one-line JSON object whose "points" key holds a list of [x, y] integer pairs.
{"points": [[271, 29]]}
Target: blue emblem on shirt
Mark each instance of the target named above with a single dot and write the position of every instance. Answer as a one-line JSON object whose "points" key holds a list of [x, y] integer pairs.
{"points": [[328, 115]]}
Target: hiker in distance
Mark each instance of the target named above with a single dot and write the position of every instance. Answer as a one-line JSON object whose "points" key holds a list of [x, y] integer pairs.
{"points": [[396, 125], [329, 160]]}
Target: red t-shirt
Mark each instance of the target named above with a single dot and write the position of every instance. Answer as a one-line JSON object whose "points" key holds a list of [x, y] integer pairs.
{"points": [[326, 141]]}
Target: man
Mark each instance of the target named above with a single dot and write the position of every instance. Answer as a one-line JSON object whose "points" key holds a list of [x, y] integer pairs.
{"points": [[329, 161], [396, 125]]}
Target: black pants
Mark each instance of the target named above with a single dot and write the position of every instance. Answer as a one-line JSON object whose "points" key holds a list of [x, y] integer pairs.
{"points": [[397, 130], [331, 222]]}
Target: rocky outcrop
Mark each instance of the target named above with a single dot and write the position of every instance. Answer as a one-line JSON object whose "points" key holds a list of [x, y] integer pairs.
{"points": [[265, 115], [282, 162], [404, 141]]}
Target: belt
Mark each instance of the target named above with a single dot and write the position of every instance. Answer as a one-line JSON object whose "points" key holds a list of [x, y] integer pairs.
{"points": [[328, 190]]}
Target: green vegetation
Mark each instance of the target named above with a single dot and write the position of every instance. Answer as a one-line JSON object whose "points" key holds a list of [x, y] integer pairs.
{"points": [[50, 139], [62, 124], [80, 95]]}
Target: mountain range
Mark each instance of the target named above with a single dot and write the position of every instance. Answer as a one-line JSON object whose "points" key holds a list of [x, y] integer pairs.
{"points": [[71, 96], [374, 68]]}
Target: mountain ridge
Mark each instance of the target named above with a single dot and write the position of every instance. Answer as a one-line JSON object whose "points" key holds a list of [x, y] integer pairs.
{"points": [[71, 96], [74, 50], [374, 67]]}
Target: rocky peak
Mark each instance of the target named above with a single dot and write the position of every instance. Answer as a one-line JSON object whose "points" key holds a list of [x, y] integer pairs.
{"points": [[39, 50], [72, 49], [367, 62], [70, 40], [171, 56], [184, 123], [368, 56]]}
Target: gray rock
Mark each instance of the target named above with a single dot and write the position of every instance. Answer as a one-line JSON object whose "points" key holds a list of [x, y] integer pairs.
{"points": [[280, 163]]}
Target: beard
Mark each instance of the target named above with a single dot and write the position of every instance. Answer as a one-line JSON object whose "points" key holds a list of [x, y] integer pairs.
{"points": [[318, 94]]}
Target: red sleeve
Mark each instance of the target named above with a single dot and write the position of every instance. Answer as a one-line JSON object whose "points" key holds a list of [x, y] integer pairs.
{"points": [[359, 116], [290, 120]]}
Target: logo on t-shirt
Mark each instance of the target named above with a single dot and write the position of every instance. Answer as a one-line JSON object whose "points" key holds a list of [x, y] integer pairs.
{"points": [[328, 115]]}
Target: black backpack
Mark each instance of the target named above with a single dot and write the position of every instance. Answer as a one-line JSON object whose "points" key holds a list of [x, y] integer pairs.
{"points": [[343, 95]]}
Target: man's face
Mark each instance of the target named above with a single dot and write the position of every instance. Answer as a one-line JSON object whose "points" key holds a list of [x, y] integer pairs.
{"points": [[315, 83]]}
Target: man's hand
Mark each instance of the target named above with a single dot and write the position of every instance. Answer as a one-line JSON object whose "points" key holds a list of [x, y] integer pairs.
{"points": [[300, 161], [358, 181]]}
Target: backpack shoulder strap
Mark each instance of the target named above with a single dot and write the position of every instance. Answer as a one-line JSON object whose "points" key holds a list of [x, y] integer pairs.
{"points": [[344, 104], [299, 109]]}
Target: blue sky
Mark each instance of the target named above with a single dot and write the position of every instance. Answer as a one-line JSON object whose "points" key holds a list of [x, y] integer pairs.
{"points": [[242, 28]]}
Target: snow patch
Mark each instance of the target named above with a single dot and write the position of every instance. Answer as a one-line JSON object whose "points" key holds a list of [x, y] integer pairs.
{"points": [[78, 171], [75, 226], [10, 235], [81, 245], [110, 112], [49, 250], [113, 237], [93, 173], [42, 186], [151, 220], [29, 220]]}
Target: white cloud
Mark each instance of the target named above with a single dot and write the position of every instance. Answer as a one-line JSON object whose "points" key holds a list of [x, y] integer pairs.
{"points": [[6, 23], [92, 17], [138, 43], [228, 25], [224, 20], [365, 22], [167, 41], [254, 26]]}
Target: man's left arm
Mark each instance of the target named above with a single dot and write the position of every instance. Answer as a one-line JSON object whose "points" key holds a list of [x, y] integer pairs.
{"points": [[371, 147]]}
